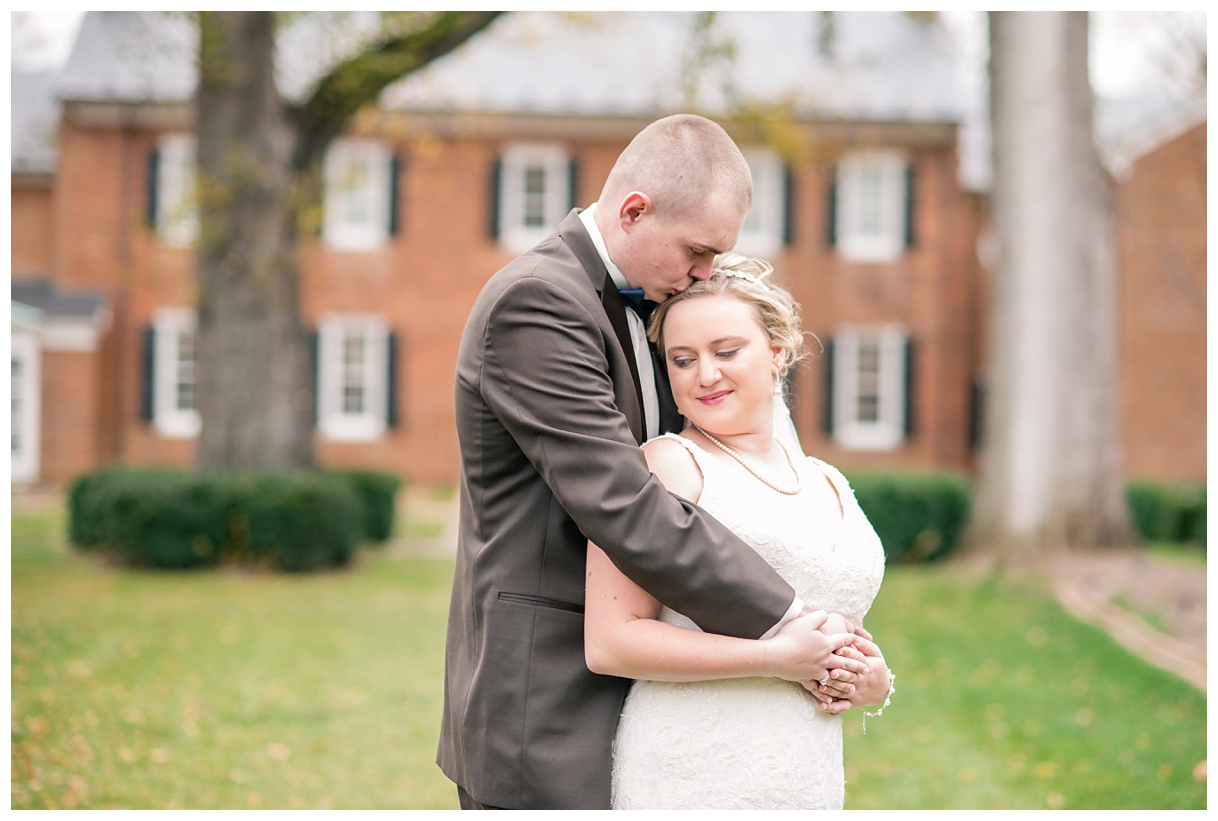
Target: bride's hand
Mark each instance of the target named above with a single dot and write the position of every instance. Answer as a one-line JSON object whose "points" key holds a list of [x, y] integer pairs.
{"points": [[866, 690], [873, 688], [800, 652]]}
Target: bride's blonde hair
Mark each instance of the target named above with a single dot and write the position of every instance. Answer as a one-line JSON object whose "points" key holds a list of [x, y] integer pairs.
{"points": [[746, 279]]}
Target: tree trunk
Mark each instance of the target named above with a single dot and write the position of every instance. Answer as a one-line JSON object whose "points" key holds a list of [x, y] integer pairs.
{"points": [[1051, 462], [259, 171], [255, 393]]}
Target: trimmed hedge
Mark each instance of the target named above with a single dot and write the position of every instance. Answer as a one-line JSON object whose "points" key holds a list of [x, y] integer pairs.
{"points": [[377, 493], [176, 519], [918, 517], [1168, 512]]}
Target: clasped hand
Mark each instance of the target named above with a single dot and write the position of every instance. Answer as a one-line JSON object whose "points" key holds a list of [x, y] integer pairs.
{"points": [[825, 647]]}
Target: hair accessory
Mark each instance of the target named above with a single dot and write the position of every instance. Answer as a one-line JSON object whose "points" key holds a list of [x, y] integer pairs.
{"points": [[731, 272]]}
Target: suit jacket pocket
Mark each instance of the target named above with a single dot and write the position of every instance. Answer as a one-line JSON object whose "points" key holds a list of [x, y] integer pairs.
{"points": [[541, 601]]}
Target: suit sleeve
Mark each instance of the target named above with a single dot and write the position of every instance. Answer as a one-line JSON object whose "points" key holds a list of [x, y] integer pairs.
{"points": [[545, 376]]}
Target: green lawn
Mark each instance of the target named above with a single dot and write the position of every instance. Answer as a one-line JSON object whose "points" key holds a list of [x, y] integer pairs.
{"points": [[1004, 702], [223, 689], [226, 689]]}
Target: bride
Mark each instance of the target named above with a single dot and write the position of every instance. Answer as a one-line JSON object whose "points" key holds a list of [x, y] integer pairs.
{"points": [[706, 725]]}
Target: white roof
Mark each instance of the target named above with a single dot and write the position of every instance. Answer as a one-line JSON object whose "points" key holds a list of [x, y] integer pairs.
{"points": [[879, 65], [861, 66], [34, 120]]}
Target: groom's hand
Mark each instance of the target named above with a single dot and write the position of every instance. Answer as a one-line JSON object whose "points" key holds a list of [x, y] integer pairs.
{"points": [[801, 652]]}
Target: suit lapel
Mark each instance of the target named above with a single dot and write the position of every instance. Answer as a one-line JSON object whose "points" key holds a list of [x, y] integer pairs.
{"points": [[573, 233], [616, 311]]}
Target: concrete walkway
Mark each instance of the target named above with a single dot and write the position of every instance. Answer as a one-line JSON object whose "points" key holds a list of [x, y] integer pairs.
{"points": [[1125, 592]]}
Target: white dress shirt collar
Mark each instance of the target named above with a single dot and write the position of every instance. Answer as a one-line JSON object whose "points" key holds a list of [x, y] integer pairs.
{"points": [[615, 273], [638, 332]]}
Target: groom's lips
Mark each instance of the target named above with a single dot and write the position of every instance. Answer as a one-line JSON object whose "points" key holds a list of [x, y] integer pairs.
{"points": [[713, 398]]}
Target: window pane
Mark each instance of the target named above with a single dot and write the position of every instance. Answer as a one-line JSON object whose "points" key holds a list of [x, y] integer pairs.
{"points": [[871, 195], [535, 196], [16, 418], [353, 385], [357, 191], [185, 384], [868, 408]]}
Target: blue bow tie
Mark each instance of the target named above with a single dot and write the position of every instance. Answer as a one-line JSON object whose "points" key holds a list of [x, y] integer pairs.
{"points": [[634, 298]]}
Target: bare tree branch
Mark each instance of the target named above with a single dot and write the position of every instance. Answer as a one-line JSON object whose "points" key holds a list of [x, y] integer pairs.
{"points": [[359, 80]]}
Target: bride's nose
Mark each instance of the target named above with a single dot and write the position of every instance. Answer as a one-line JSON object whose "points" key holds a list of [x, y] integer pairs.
{"points": [[708, 370]]}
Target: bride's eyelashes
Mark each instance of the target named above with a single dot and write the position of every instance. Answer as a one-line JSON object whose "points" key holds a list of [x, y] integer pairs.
{"points": [[686, 361]]}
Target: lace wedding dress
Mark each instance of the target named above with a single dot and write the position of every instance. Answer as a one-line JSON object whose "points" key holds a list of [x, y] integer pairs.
{"points": [[754, 743]]}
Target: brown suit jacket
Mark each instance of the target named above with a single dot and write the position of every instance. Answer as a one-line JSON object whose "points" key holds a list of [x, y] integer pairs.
{"points": [[549, 421]]}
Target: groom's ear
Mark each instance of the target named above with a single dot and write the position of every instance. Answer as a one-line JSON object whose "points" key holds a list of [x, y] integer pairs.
{"points": [[634, 207]]}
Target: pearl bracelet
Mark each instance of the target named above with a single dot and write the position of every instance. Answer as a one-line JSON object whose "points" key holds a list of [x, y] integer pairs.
{"points": [[892, 688]]}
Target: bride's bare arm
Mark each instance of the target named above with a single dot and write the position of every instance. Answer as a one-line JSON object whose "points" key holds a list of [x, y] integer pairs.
{"points": [[622, 636]]}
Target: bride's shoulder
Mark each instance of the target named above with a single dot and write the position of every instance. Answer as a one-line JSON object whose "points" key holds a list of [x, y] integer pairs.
{"points": [[838, 478], [670, 459]]}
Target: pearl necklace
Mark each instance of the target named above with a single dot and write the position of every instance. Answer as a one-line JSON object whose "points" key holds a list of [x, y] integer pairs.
{"points": [[735, 455]]}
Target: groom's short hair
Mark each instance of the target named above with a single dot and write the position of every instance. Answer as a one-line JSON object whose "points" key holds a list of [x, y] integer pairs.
{"points": [[678, 162]]}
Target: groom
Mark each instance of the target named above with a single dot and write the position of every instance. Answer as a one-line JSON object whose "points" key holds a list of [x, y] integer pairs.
{"points": [[556, 388]]}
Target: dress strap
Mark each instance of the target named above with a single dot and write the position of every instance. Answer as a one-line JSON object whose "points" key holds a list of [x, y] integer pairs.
{"points": [[706, 463]]}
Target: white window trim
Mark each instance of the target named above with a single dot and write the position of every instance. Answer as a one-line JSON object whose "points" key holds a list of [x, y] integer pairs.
{"points": [[333, 422], [889, 243], [177, 214], [513, 233], [888, 431], [761, 235], [372, 233], [167, 418], [26, 463]]}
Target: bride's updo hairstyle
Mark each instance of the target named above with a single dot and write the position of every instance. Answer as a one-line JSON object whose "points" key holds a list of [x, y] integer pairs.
{"points": [[745, 279]]}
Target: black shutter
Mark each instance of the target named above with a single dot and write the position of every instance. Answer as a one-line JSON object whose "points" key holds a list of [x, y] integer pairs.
{"points": [[148, 382], [831, 208], [572, 184], [496, 184], [395, 168], [976, 433], [788, 206], [150, 203], [828, 417], [315, 370], [910, 373], [911, 176], [391, 380]]}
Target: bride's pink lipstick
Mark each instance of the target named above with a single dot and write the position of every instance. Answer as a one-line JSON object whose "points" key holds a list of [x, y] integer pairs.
{"points": [[713, 398]]}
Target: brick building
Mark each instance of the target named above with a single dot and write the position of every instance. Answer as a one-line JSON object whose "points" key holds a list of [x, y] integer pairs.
{"points": [[858, 205], [1160, 168]]}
